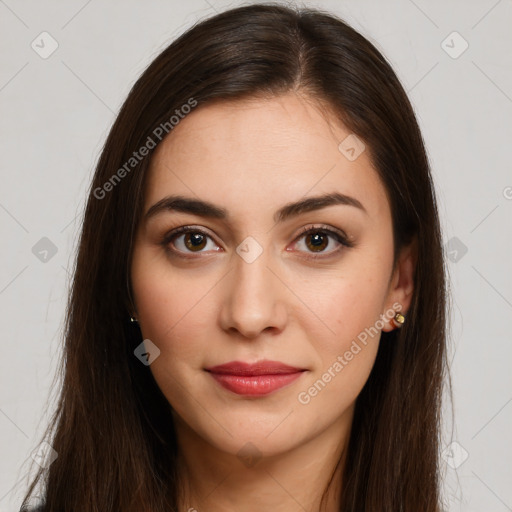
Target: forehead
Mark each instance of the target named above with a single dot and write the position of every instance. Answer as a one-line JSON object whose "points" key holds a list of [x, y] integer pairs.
{"points": [[264, 151]]}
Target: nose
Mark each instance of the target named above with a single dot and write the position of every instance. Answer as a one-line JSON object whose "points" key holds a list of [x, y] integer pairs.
{"points": [[254, 299]]}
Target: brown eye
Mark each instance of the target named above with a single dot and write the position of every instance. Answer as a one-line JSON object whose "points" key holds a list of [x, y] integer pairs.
{"points": [[195, 241], [187, 239], [317, 240]]}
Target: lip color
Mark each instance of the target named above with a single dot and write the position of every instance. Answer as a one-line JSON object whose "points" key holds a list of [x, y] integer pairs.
{"points": [[254, 385], [255, 379]]}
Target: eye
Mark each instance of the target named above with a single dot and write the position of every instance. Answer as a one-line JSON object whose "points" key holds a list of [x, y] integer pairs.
{"points": [[187, 239], [317, 239]]}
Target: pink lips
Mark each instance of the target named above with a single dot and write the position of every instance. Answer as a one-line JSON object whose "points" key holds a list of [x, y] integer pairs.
{"points": [[255, 379]]}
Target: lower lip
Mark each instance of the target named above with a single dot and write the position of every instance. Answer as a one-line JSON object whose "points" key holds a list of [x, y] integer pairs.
{"points": [[257, 385]]}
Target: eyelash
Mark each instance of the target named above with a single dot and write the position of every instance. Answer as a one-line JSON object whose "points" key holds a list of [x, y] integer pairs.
{"points": [[340, 237]]}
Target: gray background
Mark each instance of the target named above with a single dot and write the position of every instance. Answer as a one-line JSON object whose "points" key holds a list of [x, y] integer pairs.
{"points": [[55, 114]]}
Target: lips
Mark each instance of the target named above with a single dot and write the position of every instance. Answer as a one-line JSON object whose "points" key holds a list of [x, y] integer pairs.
{"points": [[255, 379], [259, 368]]}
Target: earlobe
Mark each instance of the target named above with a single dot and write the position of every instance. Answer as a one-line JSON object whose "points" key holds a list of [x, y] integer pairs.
{"points": [[402, 285]]}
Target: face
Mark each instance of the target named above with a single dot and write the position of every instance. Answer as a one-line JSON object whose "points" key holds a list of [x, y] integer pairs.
{"points": [[252, 278]]}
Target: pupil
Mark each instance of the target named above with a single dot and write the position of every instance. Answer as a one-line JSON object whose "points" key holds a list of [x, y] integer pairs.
{"points": [[317, 240], [195, 240]]}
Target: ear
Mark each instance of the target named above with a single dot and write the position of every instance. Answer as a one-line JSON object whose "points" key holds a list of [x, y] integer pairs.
{"points": [[401, 285]]}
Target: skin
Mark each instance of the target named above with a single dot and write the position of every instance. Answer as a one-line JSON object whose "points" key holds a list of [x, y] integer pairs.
{"points": [[252, 157]]}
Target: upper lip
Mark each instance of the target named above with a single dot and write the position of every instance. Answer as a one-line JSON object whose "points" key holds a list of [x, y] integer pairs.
{"points": [[258, 368]]}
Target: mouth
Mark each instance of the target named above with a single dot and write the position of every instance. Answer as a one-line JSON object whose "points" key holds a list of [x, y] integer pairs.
{"points": [[257, 379]]}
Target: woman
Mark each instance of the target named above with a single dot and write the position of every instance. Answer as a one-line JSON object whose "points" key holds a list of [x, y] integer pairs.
{"points": [[257, 318]]}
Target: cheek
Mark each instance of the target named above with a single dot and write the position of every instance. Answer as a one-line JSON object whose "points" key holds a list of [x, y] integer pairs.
{"points": [[343, 307], [175, 310], [176, 316], [345, 342]]}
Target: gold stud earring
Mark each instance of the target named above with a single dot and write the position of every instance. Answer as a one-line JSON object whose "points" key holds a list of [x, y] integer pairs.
{"points": [[398, 319]]}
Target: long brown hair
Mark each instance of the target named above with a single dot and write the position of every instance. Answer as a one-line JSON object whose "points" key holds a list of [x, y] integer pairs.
{"points": [[112, 428]]}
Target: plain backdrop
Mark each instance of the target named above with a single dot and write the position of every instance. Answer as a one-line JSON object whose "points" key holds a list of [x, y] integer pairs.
{"points": [[454, 59]]}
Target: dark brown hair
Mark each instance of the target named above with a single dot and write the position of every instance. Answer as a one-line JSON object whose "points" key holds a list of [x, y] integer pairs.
{"points": [[112, 427]]}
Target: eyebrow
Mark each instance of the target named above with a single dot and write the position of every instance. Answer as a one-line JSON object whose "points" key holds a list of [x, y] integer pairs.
{"points": [[209, 210]]}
